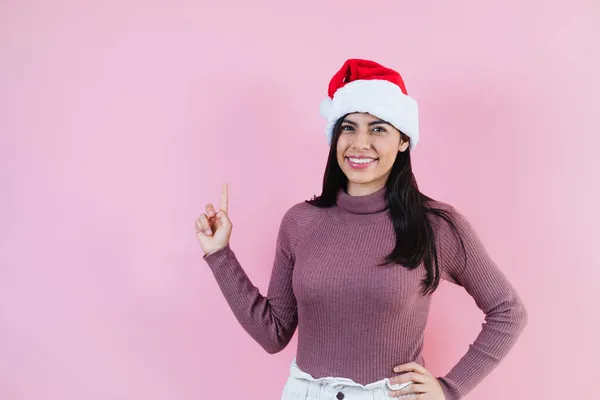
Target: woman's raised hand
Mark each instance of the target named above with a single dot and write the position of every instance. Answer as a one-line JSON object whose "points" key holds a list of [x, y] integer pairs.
{"points": [[213, 229]]}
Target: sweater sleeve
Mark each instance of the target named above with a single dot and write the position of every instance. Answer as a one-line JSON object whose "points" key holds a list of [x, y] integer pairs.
{"points": [[505, 313], [271, 320]]}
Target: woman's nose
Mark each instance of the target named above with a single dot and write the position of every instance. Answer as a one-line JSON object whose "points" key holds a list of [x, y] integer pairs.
{"points": [[361, 140]]}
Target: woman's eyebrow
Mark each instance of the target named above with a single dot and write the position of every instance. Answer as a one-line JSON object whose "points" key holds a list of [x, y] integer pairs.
{"points": [[379, 121], [376, 122]]}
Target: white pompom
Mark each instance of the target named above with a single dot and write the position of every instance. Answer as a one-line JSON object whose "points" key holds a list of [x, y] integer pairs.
{"points": [[325, 107]]}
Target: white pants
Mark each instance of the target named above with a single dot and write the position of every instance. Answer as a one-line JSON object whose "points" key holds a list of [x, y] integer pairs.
{"points": [[301, 385]]}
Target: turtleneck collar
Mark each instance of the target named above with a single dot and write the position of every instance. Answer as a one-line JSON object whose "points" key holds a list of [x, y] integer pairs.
{"points": [[360, 209]]}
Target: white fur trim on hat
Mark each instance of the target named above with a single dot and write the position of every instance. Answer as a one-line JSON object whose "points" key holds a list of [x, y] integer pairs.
{"points": [[377, 97]]}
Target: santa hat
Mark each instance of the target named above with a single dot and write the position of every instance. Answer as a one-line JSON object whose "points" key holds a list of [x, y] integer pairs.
{"points": [[366, 86]]}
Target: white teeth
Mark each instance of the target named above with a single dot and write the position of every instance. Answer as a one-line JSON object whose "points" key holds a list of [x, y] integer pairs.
{"points": [[361, 160]]}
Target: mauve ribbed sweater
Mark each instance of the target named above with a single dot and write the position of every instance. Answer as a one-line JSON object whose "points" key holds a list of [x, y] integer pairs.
{"points": [[358, 320]]}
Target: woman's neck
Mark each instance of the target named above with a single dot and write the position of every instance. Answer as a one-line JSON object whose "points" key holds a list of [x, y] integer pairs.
{"points": [[363, 189], [363, 209]]}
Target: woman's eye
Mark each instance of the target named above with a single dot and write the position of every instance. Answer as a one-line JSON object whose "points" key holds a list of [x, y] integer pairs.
{"points": [[346, 126], [381, 129]]}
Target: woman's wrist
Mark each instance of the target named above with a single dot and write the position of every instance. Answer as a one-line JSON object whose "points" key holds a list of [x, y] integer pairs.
{"points": [[214, 251]]}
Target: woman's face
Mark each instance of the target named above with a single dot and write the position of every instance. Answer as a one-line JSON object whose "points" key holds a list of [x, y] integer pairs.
{"points": [[376, 143]]}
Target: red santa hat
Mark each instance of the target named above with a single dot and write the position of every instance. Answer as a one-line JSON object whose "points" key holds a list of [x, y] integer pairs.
{"points": [[366, 86]]}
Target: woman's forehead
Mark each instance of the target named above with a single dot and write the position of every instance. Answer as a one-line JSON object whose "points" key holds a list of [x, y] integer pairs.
{"points": [[362, 117]]}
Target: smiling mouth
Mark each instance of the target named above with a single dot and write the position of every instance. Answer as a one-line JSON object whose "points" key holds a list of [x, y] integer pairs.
{"points": [[362, 161], [357, 164]]}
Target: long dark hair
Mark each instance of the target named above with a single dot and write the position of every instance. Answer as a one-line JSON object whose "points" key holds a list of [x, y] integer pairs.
{"points": [[409, 210]]}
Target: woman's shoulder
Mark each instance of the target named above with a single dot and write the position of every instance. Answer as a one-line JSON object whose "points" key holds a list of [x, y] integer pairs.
{"points": [[441, 211], [433, 203], [435, 206], [301, 216]]}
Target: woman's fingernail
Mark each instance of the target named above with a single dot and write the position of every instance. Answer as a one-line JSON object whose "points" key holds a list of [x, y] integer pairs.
{"points": [[208, 232]]}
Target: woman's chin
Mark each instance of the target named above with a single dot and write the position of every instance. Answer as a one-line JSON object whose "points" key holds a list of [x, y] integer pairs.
{"points": [[359, 179]]}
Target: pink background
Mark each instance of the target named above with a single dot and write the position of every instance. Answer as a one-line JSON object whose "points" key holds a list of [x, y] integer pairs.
{"points": [[119, 120]]}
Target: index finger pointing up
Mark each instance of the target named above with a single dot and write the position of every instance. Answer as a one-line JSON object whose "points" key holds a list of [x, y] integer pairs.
{"points": [[224, 198]]}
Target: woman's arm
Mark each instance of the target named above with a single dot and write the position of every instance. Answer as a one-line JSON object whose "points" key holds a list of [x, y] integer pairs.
{"points": [[272, 319], [505, 313]]}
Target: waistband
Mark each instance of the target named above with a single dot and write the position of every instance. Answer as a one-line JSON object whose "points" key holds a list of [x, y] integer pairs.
{"points": [[336, 382]]}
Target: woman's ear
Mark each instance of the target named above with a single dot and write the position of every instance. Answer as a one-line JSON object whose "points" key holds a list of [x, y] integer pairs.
{"points": [[404, 143]]}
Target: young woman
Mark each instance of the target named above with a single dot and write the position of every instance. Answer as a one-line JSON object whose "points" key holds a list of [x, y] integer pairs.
{"points": [[355, 267]]}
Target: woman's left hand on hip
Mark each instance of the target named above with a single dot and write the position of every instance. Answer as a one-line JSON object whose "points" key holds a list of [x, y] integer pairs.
{"points": [[423, 386]]}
